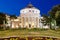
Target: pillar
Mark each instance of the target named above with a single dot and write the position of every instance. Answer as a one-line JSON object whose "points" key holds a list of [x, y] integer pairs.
{"points": [[21, 21], [38, 22], [35, 22]]}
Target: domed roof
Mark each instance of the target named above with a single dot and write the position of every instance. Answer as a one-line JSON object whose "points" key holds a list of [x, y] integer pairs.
{"points": [[30, 5], [29, 8]]}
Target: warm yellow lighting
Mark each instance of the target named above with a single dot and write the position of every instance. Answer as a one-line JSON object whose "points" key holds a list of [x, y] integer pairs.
{"points": [[26, 23], [32, 23], [20, 24]]}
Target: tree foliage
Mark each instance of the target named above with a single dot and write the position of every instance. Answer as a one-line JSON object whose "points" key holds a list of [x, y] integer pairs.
{"points": [[46, 18], [2, 18], [55, 14], [13, 16]]}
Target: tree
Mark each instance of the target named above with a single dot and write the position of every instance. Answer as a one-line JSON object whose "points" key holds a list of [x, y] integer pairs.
{"points": [[58, 17], [53, 11], [55, 14], [46, 18], [13, 16], [2, 18]]}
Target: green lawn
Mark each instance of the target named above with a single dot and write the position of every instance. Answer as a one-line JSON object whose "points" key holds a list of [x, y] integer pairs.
{"points": [[29, 32]]}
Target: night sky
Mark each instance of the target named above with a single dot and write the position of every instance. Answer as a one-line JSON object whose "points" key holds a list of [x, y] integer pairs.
{"points": [[14, 6]]}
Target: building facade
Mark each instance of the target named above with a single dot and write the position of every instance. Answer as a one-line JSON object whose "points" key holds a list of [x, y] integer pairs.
{"points": [[29, 18]]}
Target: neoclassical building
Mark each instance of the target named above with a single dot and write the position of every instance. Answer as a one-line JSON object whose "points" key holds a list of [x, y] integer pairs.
{"points": [[29, 18]]}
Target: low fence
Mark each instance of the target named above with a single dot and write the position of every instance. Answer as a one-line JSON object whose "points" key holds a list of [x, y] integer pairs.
{"points": [[29, 38]]}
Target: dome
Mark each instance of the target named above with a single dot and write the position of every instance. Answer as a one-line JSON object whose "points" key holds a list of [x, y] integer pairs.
{"points": [[30, 8]]}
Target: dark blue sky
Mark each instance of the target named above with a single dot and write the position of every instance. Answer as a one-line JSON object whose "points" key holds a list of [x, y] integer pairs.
{"points": [[14, 6]]}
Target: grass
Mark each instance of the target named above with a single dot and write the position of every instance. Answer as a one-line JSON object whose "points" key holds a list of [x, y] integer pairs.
{"points": [[29, 32]]}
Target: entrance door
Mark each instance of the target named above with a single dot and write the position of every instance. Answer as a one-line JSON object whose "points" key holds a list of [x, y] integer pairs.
{"points": [[29, 25]]}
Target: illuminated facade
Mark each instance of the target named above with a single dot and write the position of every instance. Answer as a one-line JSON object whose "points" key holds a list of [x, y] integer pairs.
{"points": [[30, 17]]}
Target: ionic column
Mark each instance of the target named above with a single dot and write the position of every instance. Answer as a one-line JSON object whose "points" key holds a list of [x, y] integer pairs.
{"points": [[38, 22], [35, 22], [28, 21], [25, 21], [21, 22]]}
